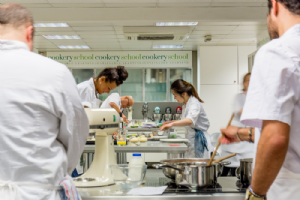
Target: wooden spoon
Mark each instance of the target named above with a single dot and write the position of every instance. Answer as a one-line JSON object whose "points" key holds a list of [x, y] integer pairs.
{"points": [[212, 157], [224, 158]]}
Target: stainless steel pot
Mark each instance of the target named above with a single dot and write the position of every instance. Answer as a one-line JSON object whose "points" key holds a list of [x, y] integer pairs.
{"points": [[199, 175], [244, 171], [192, 172]]}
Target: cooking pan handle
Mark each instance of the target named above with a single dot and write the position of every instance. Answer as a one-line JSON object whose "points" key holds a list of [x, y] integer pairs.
{"points": [[237, 172], [160, 166]]}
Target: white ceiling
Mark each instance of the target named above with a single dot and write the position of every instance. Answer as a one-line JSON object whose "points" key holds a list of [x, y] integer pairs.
{"points": [[100, 22]]}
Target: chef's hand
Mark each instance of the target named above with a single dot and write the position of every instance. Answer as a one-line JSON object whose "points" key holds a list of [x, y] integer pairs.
{"points": [[166, 127], [166, 122], [125, 119], [115, 133], [229, 135]]}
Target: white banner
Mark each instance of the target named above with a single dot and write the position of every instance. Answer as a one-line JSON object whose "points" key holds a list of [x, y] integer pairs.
{"points": [[131, 59]]}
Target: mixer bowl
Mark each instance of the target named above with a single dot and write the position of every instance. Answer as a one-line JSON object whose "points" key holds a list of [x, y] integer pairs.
{"points": [[168, 117], [128, 176]]}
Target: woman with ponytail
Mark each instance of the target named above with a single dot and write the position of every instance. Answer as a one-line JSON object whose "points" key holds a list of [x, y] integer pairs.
{"points": [[107, 80], [193, 118]]}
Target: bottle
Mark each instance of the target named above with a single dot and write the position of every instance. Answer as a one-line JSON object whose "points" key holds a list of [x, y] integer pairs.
{"points": [[135, 173]]}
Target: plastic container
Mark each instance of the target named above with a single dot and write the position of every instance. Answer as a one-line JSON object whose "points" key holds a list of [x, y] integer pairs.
{"points": [[136, 160]]}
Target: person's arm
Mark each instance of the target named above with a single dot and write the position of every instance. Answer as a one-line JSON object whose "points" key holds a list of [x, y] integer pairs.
{"points": [[235, 134], [183, 122], [115, 106], [271, 152], [168, 122]]}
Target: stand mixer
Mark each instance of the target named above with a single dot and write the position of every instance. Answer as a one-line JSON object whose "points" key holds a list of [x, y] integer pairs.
{"points": [[104, 122]]}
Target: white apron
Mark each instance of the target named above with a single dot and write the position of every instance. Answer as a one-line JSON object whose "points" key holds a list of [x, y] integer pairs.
{"points": [[191, 150], [285, 186], [9, 190]]}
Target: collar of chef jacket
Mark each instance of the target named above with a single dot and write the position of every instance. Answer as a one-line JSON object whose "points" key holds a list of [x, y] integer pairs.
{"points": [[12, 45]]}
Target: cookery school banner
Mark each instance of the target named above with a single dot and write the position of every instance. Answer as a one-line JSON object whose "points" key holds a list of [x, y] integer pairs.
{"points": [[125, 58]]}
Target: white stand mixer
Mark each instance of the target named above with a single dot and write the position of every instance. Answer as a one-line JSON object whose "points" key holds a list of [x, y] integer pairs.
{"points": [[104, 122]]}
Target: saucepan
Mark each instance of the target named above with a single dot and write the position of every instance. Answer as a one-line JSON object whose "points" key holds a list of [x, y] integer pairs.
{"points": [[192, 172], [244, 171], [169, 166]]}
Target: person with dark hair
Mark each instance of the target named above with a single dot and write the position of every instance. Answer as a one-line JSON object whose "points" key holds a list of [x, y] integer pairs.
{"points": [[273, 108], [108, 79], [243, 149], [193, 118], [43, 125]]}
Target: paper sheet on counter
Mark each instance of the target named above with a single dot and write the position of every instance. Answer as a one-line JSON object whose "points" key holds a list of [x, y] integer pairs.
{"points": [[148, 190]]}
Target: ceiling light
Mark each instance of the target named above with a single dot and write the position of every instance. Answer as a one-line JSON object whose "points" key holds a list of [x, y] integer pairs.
{"points": [[176, 23], [74, 47], [38, 25], [167, 46], [62, 37]]}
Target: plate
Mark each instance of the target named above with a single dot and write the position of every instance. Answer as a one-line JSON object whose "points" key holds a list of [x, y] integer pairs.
{"points": [[174, 140]]}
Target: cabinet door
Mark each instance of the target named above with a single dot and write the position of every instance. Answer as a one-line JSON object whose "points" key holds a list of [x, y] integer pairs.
{"points": [[218, 65], [218, 104]]}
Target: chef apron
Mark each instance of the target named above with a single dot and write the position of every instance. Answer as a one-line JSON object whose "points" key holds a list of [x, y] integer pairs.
{"points": [[285, 187], [191, 149], [66, 188]]}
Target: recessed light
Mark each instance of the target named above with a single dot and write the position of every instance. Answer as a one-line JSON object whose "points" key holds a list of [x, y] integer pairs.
{"points": [[73, 47], [176, 23], [167, 46], [62, 37], [38, 25]]}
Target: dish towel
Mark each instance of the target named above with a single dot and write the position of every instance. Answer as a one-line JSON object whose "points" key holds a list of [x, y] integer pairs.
{"points": [[200, 143], [69, 191]]}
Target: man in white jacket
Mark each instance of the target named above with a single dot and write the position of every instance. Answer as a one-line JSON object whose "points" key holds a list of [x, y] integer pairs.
{"points": [[43, 126]]}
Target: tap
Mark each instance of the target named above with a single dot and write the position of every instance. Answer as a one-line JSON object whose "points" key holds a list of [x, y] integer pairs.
{"points": [[145, 111]]}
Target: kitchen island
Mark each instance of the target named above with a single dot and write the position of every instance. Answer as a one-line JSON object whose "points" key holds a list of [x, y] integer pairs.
{"points": [[227, 190]]}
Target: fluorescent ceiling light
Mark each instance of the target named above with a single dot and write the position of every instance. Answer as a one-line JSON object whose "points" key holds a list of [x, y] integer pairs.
{"points": [[38, 25], [74, 47], [62, 37], [176, 23], [167, 46]]}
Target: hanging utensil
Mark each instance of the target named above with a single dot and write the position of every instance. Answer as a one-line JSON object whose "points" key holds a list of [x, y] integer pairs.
{"points": [[212, 157]]}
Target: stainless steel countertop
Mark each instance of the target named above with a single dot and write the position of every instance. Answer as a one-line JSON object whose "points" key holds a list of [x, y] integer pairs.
{"points": [[152, 180], [146, 147], [142, 129]]}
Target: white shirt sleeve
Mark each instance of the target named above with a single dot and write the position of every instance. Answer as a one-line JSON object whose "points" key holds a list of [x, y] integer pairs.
{"points": [[115, 98], [238, 103], [273, 88], [194, 112], [74, 125]]}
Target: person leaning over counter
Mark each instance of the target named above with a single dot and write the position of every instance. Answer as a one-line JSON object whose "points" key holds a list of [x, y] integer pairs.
{"points": [[193, 118], [118, 103], [43, 125], [107, 80], [242, 149], [273, 108]]}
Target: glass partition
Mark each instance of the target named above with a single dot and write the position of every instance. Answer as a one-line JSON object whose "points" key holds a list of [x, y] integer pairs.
{"points": [[156, 85], [81, 75], [133, 85]]}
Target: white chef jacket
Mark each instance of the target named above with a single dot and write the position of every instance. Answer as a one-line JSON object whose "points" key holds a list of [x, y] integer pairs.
{"points": [[242, 149], [88, 94], [114, 97], [193, 110], [274, 95], [43, 125]]}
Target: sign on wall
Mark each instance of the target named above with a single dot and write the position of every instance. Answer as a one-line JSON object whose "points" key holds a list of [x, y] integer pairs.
{"points": [[128, 59]]}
